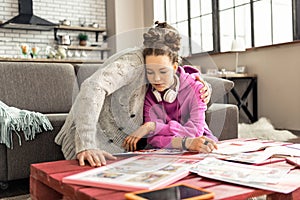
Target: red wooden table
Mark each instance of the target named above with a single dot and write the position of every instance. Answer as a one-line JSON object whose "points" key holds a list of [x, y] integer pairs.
{"points": [[46, 183]]}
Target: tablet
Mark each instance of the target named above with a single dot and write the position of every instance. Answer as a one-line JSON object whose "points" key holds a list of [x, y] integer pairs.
{"points": [[172, 192]]}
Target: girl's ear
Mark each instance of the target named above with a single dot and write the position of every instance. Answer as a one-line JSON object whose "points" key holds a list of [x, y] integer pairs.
{"points": [[175, 66]]}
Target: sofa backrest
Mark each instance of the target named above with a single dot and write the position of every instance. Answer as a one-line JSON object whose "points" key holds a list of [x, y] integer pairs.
{"points": [[220, 87], [83, 71], [40, 87]]}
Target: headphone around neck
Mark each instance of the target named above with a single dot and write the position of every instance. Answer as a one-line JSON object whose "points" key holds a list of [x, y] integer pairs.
{"points": [[170, 95]]}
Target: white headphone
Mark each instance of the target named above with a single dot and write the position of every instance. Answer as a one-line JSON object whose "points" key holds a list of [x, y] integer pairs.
{"points": [[170, 95]]}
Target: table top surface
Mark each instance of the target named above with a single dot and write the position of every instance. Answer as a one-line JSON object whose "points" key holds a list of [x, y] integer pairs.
{"points": [[52, 173], [233, 75]]}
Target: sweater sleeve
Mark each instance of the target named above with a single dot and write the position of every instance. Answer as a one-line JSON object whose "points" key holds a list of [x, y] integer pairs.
{"points": [[94, 90]]}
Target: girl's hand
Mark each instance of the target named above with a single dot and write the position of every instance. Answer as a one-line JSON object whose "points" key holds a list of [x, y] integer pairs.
{"points": [[201, 144], [130, 141]]}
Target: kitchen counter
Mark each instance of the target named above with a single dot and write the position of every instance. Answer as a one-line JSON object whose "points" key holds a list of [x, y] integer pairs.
{"points": [[71, 61]]}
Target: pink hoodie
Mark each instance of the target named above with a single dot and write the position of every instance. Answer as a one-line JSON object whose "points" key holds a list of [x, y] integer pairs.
{"points": [[184, 117]]}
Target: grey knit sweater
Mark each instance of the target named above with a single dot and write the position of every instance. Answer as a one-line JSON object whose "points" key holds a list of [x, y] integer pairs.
{"points": [[108, 107]]}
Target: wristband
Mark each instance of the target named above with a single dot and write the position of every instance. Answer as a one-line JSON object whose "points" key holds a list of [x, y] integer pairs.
{"points": [[183, 143]]}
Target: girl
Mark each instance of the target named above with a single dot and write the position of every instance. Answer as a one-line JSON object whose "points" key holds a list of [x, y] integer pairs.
{"points": [[174, 117]]}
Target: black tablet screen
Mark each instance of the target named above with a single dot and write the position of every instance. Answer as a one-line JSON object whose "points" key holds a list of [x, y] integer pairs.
{"points": [[172, 193]]}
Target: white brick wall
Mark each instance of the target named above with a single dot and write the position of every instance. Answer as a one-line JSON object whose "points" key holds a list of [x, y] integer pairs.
{"points": [[51, 10]]}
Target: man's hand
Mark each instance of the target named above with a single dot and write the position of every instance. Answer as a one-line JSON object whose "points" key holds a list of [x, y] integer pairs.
{"points": [[95, 157], [205, 92]]}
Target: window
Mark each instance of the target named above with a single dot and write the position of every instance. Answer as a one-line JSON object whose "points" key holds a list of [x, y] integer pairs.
{"points": [[235, 23], [273, 22], [212, 25], [201, 26]]}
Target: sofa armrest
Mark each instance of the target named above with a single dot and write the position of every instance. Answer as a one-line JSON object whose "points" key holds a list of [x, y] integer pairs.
{"points": [[57, 119], [222, 119], [41, 149]]}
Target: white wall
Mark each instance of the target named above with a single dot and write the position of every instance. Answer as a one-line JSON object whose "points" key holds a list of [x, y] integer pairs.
{"points": [[130, 22], [277, 68], [52, 10], [278, 71]]}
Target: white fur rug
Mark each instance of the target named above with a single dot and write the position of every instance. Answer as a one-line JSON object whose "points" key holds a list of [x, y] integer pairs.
{"points": [[20, 197], [263, 129]]}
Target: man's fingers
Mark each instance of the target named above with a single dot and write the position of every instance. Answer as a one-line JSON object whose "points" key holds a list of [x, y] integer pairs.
{"points": [[109, 156], [198, 78], [204, 89], [90, 159], [81, 160], [95, 157], [102, 159]]}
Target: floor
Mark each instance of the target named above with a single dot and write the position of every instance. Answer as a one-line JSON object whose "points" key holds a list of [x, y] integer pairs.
{"points": [[21, 187], [16, 188]]}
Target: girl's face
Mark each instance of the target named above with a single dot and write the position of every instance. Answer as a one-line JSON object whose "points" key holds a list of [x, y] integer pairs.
{"points": [[160, 71]]}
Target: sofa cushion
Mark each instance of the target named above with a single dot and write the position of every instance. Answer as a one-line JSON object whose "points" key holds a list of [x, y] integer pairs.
{"points": [[220, 87], [83, 71], [222, 120], [41, 87]]}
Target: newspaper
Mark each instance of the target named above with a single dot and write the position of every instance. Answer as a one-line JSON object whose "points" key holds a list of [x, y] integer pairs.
{"points": [[152, 151], [270, 154], [255, 151], [138, 172], [244, 145], [281, 180]]}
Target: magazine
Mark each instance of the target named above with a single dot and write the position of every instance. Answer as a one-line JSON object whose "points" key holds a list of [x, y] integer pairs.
{"points": [[270, 154], [293, 161], [152, 151], [135, 173], [281, 179], [294, 146], [245, 145]]}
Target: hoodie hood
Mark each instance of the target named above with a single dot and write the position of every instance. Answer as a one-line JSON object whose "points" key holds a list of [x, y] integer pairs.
{"points": [[27, 20], [187, 76]]}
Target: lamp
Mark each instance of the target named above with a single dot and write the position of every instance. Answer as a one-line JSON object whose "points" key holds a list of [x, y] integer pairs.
{"points": [[238, 45]]}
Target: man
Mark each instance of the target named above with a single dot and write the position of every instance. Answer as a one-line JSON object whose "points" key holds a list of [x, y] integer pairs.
{"points": [[107, 109]]}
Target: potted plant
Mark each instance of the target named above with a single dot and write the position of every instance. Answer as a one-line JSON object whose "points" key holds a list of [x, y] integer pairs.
{"points": [[82, 37]]}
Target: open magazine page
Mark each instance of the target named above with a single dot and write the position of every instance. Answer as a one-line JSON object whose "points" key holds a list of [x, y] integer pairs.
{"points": [[294, 146], [152, 151], [277, 179], [270, 154], [294, 161], [257, 157], [234, 171], [139, 172], [244, 145]]}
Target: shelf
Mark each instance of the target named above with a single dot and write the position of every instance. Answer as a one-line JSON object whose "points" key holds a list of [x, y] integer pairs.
{"points": [[78, 28], [87, 48], [44, 60]]}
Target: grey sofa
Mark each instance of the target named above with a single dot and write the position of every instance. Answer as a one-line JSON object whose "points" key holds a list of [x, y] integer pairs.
{"points": [[221, 118], [51, 89], [41, 87]]}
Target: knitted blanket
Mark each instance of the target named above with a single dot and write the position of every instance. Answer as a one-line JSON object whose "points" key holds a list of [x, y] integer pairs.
{"points": [[14, 120]]}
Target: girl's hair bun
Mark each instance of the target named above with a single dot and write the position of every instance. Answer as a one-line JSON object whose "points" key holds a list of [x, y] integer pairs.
{"points": [[163, 36]]}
